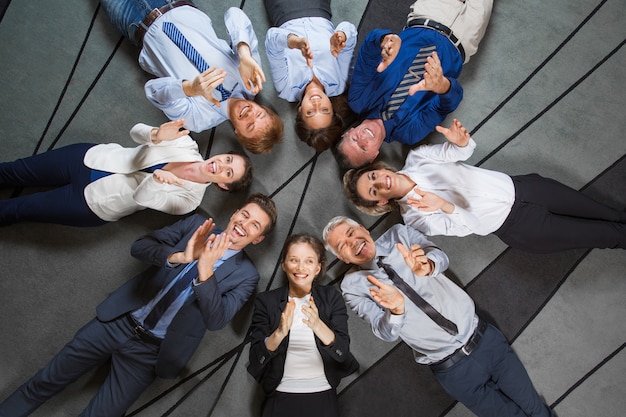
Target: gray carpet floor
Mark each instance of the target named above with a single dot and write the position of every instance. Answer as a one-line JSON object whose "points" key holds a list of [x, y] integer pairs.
{"points": [[544, 94]]}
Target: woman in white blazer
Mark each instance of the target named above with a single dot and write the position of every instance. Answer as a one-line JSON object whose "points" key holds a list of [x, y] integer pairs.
{"points": [[94, 184]]}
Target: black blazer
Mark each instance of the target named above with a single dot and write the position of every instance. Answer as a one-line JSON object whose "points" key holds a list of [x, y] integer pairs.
{"points": [[268, 367], [216, 301]]}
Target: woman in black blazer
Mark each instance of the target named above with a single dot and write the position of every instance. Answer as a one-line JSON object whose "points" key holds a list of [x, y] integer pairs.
{"points": [[300, 348]]}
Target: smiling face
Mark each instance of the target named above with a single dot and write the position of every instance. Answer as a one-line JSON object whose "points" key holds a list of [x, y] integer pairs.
{"points": [[361, 143], [301, 265], [223, 169], [352, 244], [379, 185], [247, 225], [316, 108], [248, 118]]}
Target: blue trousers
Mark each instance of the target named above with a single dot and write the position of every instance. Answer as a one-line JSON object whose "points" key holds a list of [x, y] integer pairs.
{"points": [[64, 170], [132, 370], [548, 216], [492, 381], [126, 15]]}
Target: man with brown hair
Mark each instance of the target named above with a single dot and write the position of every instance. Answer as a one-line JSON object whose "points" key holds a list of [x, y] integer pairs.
{"points": [[201, 78], [150, 326]]}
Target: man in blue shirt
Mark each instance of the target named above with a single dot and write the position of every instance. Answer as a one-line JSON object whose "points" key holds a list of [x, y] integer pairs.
{"points": [[403, 85], [218, 84], [151, 325], [398, 287]]}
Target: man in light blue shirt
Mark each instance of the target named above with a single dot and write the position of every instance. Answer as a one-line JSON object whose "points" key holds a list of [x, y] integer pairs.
{"points": [[182, 91], [473, 361]]}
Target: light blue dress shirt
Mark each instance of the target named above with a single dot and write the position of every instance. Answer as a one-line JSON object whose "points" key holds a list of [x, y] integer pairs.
{"points": [[161, 57], [430, 343], [290, 71]]}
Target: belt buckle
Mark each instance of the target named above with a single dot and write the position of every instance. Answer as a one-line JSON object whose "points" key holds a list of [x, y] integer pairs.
{"points": [[464, 350], [153, 15]]}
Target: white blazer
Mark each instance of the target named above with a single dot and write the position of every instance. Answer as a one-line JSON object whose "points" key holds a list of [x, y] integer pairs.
{"points": [[129, 189]]}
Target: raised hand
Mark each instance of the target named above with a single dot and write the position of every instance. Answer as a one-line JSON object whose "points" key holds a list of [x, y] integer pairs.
{"points": [[390, 46], [456, 134], [433, 78], [337, 42], [204, 84], [250, 70], [296, 42], [386, 295], [168, 131], [416, 259]]}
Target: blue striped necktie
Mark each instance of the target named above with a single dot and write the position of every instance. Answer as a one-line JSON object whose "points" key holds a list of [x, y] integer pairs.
{"points": [[184, 279], [413, 75], [191, 53]]}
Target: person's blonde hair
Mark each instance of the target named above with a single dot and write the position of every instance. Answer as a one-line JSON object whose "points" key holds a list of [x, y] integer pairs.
{"points": [[372, 208], [263, 141]]}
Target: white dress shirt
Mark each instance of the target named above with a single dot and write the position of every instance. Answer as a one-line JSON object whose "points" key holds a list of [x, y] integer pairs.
{"points": [[482, 198], [161, 57], [290, 72], [430, 343]]}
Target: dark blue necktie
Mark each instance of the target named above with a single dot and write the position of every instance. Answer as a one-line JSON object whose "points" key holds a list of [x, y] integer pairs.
{"points": [[184, 279], [423, 305], [191, 53]]}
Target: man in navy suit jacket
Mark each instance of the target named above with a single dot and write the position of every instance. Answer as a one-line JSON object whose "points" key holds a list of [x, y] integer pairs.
{"points": [[141, 347]]}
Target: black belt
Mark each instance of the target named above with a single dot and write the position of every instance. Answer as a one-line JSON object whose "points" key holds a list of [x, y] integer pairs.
{"points": [[154, 15], [464, 351], [142, 333], [443, 29]]}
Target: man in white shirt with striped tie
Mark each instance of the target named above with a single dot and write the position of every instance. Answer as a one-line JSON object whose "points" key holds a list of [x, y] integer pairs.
{"points": [[184, 90]]}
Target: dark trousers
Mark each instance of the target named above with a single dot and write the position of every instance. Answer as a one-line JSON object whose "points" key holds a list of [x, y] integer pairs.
{"points": [[492, 381], [314, 404], [62, 169], [132, 370], [548, 216], [281, 11]]}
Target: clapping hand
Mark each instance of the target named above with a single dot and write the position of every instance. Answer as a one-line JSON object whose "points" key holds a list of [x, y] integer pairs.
{"points": [[296, 42], [213, 249], [250, 70], [390, 46], [337, 42]]}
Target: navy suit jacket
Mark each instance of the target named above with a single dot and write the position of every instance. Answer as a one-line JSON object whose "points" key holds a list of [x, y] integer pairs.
{"points": [[268, 367], [215, 303]]}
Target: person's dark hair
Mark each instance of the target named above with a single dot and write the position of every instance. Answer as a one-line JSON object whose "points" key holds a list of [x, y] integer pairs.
{"points": [[327, 137], [316, 245], [264, 141], [246, 179], [342, 160], [267, 205], [372, 208]]}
